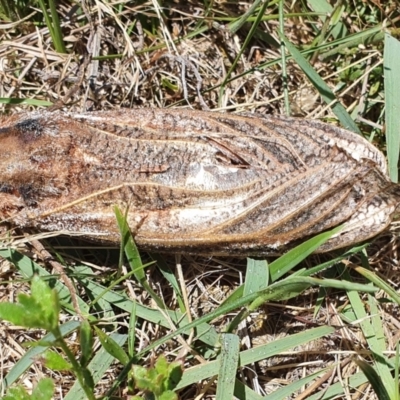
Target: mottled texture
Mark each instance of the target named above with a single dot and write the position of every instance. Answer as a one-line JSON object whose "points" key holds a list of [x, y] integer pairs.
{"points": [[197, 182]]}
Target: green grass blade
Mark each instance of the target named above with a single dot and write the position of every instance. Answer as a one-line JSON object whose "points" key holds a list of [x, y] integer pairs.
{"points": [[234, 26], [245, 44], [293, 257], [28, 102], [278, 291], [374, 379], [257, 276], [30, 357], [29, 268], [376, 324], [391, 62], [242, 391], [374, 336], [288, 391], [228, 363], [169, 275], [362, 38], [284, 290], [296, 284], [318, 268], [322, 6], [53, 25], [283, 58], [323, 89], [204, 371], [379, 282], [47, 18], [131, 330], [205, 332], [111, 346], [99, 365], [397, 370], [337, 390], [131, 251], [133, 256], [57, 32], [285, 263]]}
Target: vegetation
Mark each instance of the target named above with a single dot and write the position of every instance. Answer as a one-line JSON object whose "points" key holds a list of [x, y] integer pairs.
{"points": [[99, 320]]}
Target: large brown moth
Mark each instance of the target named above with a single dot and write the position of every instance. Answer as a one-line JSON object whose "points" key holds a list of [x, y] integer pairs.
{"points": [[192, 181]]}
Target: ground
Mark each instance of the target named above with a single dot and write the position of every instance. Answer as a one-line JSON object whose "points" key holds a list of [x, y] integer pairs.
{"points": [[225, 56]]}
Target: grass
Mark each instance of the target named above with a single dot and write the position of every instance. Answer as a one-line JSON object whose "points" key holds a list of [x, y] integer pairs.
{"points": [[300, 326]]}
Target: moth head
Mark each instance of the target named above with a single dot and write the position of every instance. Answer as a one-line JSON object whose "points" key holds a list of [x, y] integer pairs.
{"points": [[32, 158]]}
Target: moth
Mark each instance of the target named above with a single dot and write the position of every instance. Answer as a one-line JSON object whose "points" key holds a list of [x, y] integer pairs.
{"points": [[193, 181]]}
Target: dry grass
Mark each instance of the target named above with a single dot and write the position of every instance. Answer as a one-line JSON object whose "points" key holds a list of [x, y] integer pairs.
{"points": [[122, 54]]}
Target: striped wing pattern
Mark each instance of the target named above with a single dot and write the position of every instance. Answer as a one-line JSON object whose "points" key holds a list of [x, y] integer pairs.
{"points": [[196, 182]]}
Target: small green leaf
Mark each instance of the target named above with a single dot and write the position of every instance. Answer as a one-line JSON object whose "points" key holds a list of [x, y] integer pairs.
{"points": [[15, 314], [168, 395], [40, 291], [139, 375], [160, 379], [374, 88], [167, 374], [161, 366], [169, 85], [44, 390], [56, 362], [112, 347], [47, 300], [175, 372], [17, 393], [40, 310]]}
